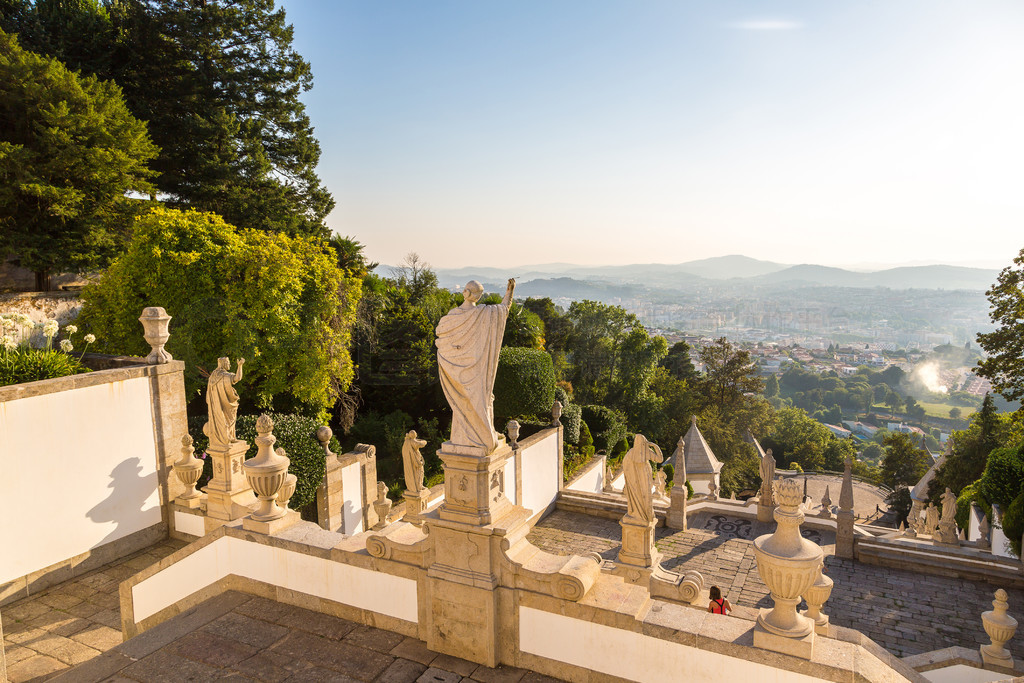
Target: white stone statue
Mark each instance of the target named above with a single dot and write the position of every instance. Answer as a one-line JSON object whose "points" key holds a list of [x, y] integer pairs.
{"points": [[468, 343], [931, 519], [637, 470], [948, 506], [660, 482], [767, 475], [222, 403], [413, 461]]}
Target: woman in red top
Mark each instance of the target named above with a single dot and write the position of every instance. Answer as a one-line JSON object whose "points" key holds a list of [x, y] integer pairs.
{"points": [[718, 604]]}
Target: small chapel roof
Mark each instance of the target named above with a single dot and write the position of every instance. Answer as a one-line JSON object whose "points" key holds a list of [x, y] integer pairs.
{"points": [[700, 459]]}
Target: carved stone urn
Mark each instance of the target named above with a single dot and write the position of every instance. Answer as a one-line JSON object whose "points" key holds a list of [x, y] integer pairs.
{"points": [[1000, 627], [267, 472], [155, 322], [513, 433], [188, 469], [288, 487], [788, 564], [816, 595]]}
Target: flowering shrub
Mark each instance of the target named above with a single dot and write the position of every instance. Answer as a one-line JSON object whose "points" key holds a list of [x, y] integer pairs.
{"points": [[19, 362]]}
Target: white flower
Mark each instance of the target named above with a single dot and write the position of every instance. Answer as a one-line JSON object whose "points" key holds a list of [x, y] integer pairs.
{"points": [[7, 325], [66, 346], [90, 338], [10, 342], [70, 329], [50, 329], [25, 320]]}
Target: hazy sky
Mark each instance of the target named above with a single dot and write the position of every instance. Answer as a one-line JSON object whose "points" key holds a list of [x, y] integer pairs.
{"points": [[491, 132]]}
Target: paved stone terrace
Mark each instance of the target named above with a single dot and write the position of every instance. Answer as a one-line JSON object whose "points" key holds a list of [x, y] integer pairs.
{"points": [[243, 638], [904, 612], [71, 622]]}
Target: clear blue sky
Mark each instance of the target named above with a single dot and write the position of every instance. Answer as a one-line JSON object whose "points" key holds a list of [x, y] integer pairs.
{"points": [[487, 132]]}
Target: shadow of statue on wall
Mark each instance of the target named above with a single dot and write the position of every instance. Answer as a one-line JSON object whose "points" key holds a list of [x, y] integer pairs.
{"points": [[126, 506]]}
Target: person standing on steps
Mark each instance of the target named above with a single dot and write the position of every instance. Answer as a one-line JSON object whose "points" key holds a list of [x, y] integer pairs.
{"points": [[718, 604]]}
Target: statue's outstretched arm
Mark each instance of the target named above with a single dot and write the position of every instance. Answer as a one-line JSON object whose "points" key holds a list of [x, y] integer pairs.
{"points": [[238, 370], [509, 291]]}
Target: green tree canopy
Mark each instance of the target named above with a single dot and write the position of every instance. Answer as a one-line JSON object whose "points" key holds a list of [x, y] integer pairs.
{"points": [[280, 302], [1005, 345], [904, 463], [69, 151]]}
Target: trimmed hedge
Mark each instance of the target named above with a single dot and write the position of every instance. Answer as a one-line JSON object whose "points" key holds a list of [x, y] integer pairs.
{"points": [[525, 383], [1003, 476], [296, 434], [606, 425], [572, 416]]}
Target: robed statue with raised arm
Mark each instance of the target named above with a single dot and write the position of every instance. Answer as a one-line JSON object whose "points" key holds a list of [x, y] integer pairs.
{"points": [[468, 344], [222, 403]]}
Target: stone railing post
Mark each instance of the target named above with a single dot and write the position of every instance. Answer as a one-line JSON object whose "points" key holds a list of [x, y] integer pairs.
{"points": [[788, 564], [1000, 627], [845, 516], [329, 499]]}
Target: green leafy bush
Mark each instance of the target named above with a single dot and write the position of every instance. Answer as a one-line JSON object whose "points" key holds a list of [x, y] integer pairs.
{"points": [[296, 434], [1013, 523], [670, 473], [607, 425], [561, 395], [22, 364], [963, 504], [280, 302], [525, 383], [1003, 476], [689, 490], [795, 466], [572, 415]]}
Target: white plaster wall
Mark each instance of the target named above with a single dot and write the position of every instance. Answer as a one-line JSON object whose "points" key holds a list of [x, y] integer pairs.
{"points": [[634, 656], [619, 482], [961, 673], [352, 490], [378, 592], [540, 473], [510, 481], [189, 524], [1000, 545], [592, 481], [974, 524], [77, 471]]}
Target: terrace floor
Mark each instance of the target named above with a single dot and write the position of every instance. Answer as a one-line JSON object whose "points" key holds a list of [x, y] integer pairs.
{"points": [[904, 612]]}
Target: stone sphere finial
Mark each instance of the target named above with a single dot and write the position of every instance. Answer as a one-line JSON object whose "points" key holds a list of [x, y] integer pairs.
{"points": [[324, 434]]}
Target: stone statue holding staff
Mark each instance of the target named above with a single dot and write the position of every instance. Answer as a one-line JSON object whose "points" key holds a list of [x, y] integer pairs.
{"points": [[412, 459], [468, 343], [222, 403], [638, 479]]}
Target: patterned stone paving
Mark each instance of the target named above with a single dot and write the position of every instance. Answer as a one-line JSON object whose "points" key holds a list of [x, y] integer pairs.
{"points": [[905, 612], [73, 621]]}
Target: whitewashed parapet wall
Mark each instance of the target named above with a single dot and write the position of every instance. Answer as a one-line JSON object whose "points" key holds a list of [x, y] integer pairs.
{"points": [[85, 469], [590, 477], [537, 460]]}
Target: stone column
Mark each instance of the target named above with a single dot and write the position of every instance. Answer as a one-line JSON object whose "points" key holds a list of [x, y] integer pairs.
{"points": [[789, 564], [845, 516], [1000, 627], [329, 499], [228, 495], [676, 518]]}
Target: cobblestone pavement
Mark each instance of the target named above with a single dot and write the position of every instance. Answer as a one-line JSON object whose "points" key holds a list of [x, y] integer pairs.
{"points": [[905, 612], [71, 622], [239, 637]]}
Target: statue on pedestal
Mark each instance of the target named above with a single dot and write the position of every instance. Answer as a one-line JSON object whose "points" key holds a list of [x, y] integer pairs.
{"points": [[222, 403], [468, 344], [413, 462], [948, 506], [767, 475], [638, 480]]}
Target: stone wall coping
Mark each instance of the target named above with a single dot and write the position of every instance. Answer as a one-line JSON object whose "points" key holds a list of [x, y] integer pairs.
{"points": [[966, 554], [43, 387], [952, 656], [536, 437]]}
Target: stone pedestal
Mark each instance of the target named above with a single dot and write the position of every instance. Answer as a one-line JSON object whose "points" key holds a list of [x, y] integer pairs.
{"points": [[228, 495], [474, 483], [272, 526], [638, 544], [676, 518], [329, 499], [844, 534], [947, 534], [764, 512], [415, 506]]}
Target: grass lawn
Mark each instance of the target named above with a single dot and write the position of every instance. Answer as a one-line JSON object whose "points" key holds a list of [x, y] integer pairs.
{"points": [[942, 409]]}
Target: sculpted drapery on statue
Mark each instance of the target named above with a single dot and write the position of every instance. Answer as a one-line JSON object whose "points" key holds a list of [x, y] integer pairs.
{"points": [[468, 344], [412, 461], [767, 476], [636, 469], [222, 403]]}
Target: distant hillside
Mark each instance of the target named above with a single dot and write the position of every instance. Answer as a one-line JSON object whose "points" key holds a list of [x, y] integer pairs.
{"points": [[911, 277]]}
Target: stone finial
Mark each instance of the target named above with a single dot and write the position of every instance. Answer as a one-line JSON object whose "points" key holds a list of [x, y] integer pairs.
{"points": [[556, 413], [816, 596], [267, 472], [1000, 627], [826, 505], [382, 505], [846, 491], [789, 564], [712, 490], [188, 470], [323, 435], [155, 322], [984, 541], [513, 432]]}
